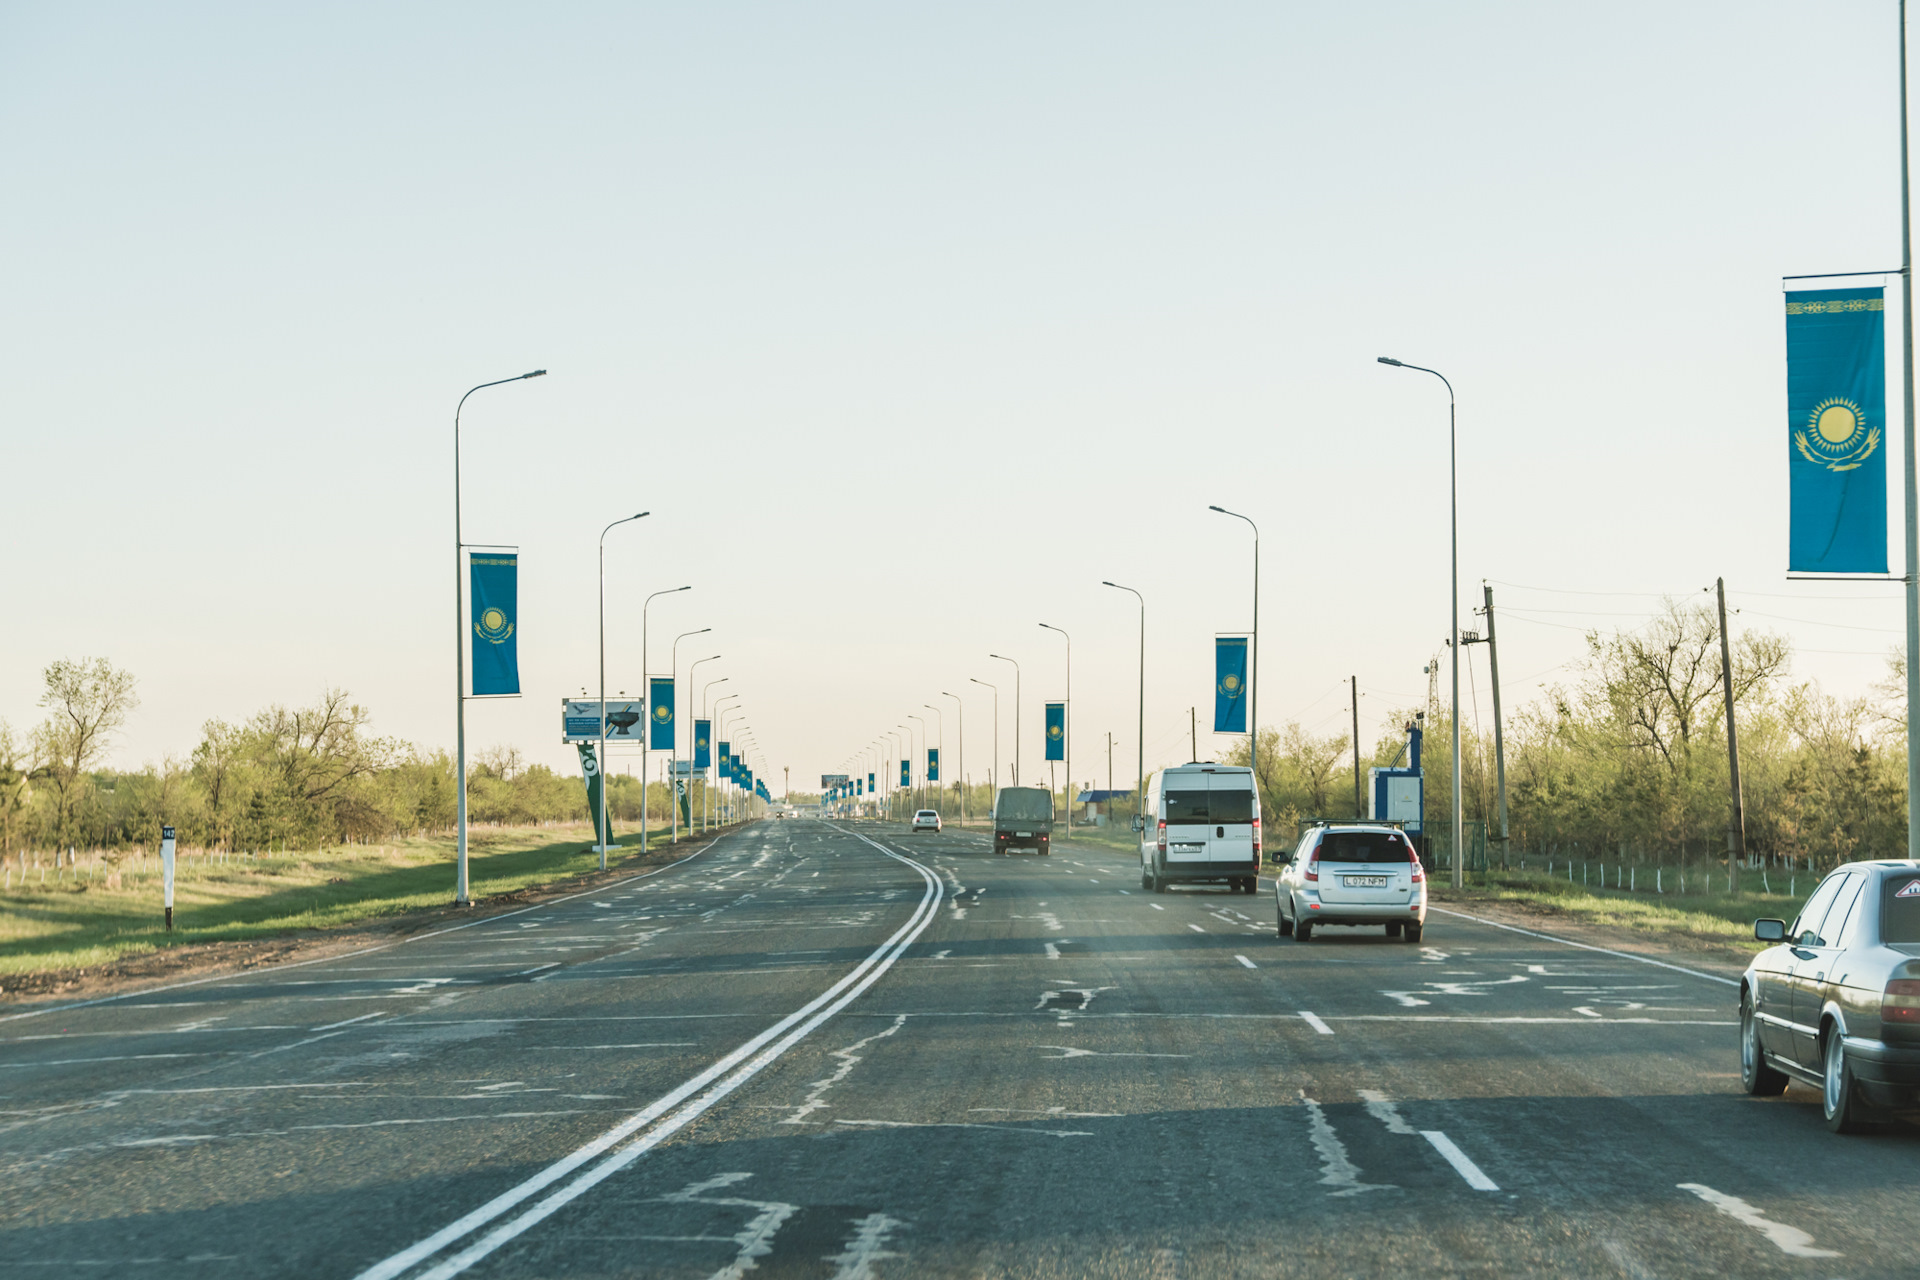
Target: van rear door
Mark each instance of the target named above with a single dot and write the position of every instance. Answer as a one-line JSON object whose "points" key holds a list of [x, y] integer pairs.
{"points": [[1189, 830], [1230, 809]]}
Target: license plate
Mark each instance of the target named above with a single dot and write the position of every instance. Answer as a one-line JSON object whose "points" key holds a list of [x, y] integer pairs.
{"points": [[1366, 882], [1024, 835], [1189, 848]]}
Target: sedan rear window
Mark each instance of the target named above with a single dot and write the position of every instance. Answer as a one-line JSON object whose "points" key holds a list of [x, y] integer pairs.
{"points": [[1363, 846], [1901, 922]]}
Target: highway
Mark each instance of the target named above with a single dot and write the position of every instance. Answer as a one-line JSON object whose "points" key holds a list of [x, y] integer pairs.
{"points": [[835, 1050]]}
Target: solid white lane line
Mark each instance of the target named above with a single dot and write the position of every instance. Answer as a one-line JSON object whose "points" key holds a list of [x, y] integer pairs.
{"points": [[1243, 960], [1789, 1240], [1313, 1021], [1458, 1159], [345, 955], [1587, 946], [660, 1120]]}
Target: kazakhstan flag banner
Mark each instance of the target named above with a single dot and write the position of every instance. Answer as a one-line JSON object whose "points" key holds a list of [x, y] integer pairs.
{"points": [[1056, 731], [1229, 684], [874, 790], [906, 773], [494, 582], [702, 754], [933, 764], [660, 712], [1836, 431]]}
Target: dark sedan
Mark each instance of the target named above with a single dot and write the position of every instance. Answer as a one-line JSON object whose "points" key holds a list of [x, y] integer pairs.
{"points": [[1837, 1004]]}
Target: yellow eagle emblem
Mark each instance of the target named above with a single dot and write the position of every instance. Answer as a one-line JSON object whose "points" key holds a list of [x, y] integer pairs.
{"points": [[1837, 436]]}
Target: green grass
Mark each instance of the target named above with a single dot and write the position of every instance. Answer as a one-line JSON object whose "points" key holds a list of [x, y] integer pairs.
{"points": [[1718, 921], [74, 922]]}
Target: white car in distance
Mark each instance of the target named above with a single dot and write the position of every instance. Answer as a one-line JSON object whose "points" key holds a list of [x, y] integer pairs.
{"points": [[1352, 873], [926, 820]]}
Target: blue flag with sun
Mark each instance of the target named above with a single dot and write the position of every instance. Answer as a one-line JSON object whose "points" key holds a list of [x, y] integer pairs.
{"points": [[1836, 431], [494, 587], [1056, 731], [1229, 684]]}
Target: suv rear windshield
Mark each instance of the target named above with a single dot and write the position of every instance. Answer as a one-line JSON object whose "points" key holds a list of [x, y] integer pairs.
{"points": [[1363, 846], [1024, 804], [1901, 922], [1209, 806]]}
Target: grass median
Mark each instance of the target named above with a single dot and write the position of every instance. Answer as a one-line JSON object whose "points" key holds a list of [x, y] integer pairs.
{"points": [[102, 913]]}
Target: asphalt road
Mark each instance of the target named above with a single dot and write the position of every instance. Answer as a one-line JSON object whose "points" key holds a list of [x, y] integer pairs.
{"points": [[839, 1051]]}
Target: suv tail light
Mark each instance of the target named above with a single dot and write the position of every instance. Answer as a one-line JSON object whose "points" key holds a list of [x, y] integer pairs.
{"points": [[1901, 1002], [1419, 871], [1163, 835], [1313, 865]]}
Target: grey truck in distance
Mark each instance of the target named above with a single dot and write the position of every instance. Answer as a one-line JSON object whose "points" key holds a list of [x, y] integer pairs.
{"points": [[1022, 818]]}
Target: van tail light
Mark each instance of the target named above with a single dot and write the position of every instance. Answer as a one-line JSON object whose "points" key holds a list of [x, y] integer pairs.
{"points": [[1901, 1002], [1163, 836]]}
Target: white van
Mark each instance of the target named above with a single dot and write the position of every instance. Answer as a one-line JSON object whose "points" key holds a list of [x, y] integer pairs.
{"points": [[1203, 826]]}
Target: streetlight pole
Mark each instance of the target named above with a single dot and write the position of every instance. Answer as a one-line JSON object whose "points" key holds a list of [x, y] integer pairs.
{"points": [[693, 740], [673, 752], [646, 692], [994, 788], [460, 895], [924, 780], [960, 734], [1067, 746], [1909, 485], [605, 833], [1140, 776], [706, 785], [1253, 672], [719, 724], [940, 722], [1453, 639], [1016, 715]]}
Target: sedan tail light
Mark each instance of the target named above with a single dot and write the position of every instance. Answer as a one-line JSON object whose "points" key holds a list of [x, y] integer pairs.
{"points": [[1901, 1002]]}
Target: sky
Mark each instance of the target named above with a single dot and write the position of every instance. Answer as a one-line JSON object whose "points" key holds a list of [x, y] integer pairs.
{"points": [[910, 325]]}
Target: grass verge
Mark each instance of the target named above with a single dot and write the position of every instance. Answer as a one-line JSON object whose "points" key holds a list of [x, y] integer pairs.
{"points": [[104, 915]]}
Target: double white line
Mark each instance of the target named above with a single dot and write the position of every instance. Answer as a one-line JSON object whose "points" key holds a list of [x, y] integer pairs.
{"points": [[640, 1133]]}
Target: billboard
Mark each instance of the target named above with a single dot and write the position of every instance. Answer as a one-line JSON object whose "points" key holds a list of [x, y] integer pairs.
{"points": [[580, 719]]}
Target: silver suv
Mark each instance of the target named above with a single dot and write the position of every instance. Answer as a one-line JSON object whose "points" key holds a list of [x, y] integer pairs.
{"points": [[926, 820], [1351, 873]]}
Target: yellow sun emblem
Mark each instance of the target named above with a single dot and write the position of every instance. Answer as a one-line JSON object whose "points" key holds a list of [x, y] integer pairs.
{"points": [[492, 625], [1837, 436], [1230, 685]]}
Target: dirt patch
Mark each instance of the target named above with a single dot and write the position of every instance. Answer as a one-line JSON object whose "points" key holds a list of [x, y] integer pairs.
{"points": [[210, 959]]}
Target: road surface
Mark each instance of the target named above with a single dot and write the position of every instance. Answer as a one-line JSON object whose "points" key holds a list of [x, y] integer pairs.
{"points": [[836, 1050]]}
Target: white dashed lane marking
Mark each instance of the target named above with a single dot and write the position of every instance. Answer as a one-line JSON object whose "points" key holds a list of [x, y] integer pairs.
{"points": [[1243, 960], [1458, 1159], [1313, 1020]]}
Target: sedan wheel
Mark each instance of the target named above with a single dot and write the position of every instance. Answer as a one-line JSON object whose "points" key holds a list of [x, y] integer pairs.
{"points": [[1840, 1100], [1756, 1077]]}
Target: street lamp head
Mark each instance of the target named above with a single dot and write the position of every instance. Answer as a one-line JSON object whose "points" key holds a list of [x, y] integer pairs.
{"points": [[1390, 360], [1221, 510], [537, 373], [688, 587], [641, 516]]}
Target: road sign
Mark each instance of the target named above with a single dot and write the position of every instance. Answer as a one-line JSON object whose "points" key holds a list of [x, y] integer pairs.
{"points": [[580, 719]]}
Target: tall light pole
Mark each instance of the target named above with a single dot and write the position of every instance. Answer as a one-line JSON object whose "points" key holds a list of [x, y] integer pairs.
{"points": [[646, 682], [460, 895], [993, 789], [922, 722], [693, 738], [1016, 714], [1067, 746], [706, 784], [1910, 487], [719, 723], [1140, 776], [673, 752], [1453, 638], [960, 735], [940, 722], [605, 833], [1253, 667]]}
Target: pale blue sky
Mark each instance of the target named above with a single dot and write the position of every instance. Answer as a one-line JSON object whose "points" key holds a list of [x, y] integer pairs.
{"points": [[910, 325]]}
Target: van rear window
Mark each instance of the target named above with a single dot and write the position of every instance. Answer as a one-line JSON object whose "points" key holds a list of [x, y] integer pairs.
{"points": [[1901, 922], [1363, 846], [1209, 806]]}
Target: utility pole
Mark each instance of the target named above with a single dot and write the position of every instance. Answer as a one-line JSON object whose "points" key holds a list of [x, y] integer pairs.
{"points": [[1499, 740], [1193, 733], [1737, 826], [1356, 746]]}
